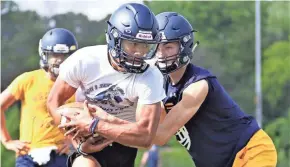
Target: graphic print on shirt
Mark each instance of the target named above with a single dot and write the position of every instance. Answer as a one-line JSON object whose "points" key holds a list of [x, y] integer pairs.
{"points": [[112, 98], [183, 138]]}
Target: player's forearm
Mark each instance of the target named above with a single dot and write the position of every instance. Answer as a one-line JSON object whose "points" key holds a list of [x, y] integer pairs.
{"points": [[168, 128], [126, 133], [172, 122], [59, 94], [5, 136], [52, 105], [162, 136], [111, 119], [6, 100]]}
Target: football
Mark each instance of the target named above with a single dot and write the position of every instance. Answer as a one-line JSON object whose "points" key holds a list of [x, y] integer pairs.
{"points": [[70, 109], [73, 109]]}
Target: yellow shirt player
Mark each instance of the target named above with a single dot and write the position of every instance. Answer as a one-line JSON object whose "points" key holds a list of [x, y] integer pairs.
{"points": [[41, 142]]}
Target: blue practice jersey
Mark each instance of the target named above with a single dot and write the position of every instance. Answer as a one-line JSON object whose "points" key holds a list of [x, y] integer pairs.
{"points": [[219, 129]]}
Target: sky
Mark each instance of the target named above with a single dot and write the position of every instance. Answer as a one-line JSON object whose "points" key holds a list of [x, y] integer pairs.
{"points": [[94, 9]]}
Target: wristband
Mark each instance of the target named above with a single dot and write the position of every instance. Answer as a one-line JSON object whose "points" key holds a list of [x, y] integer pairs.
{"points": [[93, 125], [79, 150]]}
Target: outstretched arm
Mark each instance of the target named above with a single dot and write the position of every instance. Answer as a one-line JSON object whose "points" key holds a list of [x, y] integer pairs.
{"points": [[181, 113]]}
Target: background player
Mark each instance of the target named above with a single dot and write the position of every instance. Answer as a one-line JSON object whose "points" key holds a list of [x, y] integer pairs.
{"points": [[41, 142]]}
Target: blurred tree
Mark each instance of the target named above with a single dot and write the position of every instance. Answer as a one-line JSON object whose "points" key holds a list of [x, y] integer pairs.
{"points": [[277, 23], [20, 34], [87, 32], [278, 130], [276, 60], [226, 33], [276, 78]]}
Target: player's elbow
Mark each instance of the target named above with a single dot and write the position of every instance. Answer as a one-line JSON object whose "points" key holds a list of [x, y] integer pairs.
{"points": [[145, 140], [147, 135], [146, 144]]}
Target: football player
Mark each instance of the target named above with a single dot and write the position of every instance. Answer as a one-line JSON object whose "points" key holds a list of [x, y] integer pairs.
{"points": [[41, 142], [116, 78], [200, 113]]}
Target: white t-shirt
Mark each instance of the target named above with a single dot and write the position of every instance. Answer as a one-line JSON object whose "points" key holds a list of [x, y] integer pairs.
{"points": [[115, 92]]}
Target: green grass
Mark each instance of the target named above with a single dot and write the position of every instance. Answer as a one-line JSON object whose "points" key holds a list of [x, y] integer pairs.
{"points": [[172, 155]]}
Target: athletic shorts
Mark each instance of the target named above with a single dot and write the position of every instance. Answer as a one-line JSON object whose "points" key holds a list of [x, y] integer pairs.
{"points": [[116, 155], [56, 160], [259, 152]]}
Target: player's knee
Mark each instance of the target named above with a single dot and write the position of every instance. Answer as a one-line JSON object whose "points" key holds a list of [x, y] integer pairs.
{"points": [[87, 161]]}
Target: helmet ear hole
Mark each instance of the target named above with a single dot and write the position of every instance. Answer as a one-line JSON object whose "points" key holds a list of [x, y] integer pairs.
{"points": [[183, 59], [113, 53]]}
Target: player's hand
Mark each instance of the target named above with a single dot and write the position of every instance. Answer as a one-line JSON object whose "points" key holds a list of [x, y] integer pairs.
{"points": [[79, 125], [17, 146], [73, 142], [95, 144], [64, 149], [97, 111]]}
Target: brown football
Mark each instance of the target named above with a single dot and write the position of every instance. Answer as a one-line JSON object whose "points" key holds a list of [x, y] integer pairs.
{"points": [[70, 109]]}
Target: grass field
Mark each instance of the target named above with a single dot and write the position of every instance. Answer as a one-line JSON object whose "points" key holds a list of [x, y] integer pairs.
{"points": [[172, 155]]}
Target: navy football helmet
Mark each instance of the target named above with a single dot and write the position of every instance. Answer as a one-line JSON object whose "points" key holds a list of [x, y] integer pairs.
{"points": [[174, 27], [133, 25], [56, 42]]}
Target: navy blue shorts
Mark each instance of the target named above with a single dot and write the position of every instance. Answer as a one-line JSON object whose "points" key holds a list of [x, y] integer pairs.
{"points": [[56, 160], [116, 155]]}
